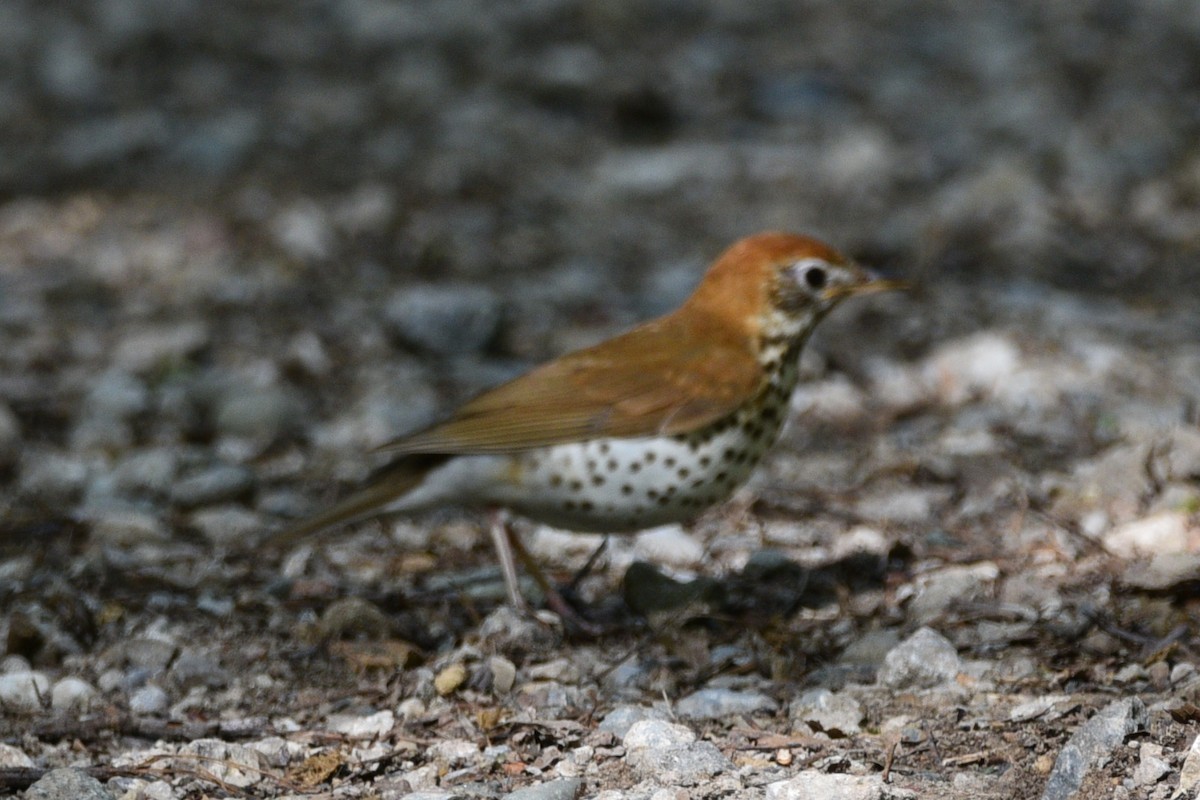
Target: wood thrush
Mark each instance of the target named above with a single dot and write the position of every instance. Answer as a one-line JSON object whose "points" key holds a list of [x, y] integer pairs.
{"points": [[650, 427]]}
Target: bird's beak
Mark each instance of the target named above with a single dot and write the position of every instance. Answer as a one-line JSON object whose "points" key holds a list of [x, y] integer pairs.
{"points": [[868, 283]]}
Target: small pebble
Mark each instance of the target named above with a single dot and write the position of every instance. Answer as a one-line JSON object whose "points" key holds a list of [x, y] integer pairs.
{"points": [[562, 789], [372, 726], [450, 679], [621, 719], [837, 714], [216, 484], [923, 660], [148, 700], [504, 674], [654, 733]]}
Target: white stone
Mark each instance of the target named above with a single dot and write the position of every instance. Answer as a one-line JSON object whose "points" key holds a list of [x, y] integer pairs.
{"points": [[13, 758], [23, 691], [72, 693], [815, 785], [1168, 532], [234, 764], [148, 700], [967, 367], [366, 727], [654, 733], [454, 751], [670, 545]]}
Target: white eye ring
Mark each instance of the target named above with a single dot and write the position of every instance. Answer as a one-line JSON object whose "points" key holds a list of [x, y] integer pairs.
{"points": [[812, 273]]}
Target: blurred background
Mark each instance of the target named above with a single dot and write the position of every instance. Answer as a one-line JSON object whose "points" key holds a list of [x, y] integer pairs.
{"points": [[1049, 141], [223, 221]]}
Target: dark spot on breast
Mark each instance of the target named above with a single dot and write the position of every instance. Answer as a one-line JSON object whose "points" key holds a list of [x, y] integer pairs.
{"points": [[604, 448], [669, 461], [652, 493], [556, 480], [705, 462], [587, 505], [635, 467], [626, 489], [612, 465], [575, 486], [684, 472], [662, 501], [591, 465], [597, 480], [570, 505], [650, 457]]}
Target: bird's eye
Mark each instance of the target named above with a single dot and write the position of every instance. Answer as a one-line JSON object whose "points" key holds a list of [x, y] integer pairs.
{"points": [[815, 278]]}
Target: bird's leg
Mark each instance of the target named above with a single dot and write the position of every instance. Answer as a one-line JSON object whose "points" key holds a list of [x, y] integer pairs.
{"points": [[503, 539], [586, 569], [507, 543]]}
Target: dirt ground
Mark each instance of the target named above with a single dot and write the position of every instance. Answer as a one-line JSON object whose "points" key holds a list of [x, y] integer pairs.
{"points": [[243, 243]]}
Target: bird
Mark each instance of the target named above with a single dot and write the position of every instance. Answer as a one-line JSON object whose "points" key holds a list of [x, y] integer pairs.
{"points": [[653, 426]]}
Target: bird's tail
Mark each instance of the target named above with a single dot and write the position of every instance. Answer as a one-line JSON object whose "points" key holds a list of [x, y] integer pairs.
{"points": [[387, 484]]}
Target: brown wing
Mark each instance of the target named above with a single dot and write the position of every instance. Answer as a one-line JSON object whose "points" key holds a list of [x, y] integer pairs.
{"points": [[672, 375]]}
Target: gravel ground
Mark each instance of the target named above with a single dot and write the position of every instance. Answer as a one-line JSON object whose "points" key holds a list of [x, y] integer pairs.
{"points": [[241, 243]]}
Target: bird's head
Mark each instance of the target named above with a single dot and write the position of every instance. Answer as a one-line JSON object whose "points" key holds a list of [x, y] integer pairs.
{"points": [[778, 286]]}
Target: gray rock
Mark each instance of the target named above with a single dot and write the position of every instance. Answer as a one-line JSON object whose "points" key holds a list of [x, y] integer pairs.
{"points": [[124, 528], [102, 140], [160, 347], [1183, 459], [149, 699], [72, 694], [621, 719], [151, 471], [23, 691], [234, 764], [516, 636], [562, 789], [217, 484], [871, 648], [13, 757], [923, 660], [837, 714], [196, 668], [657, 734], [67, 784], [678, 766], [715, 703], [261, 414], [152, 654], [814, 785], [229, 526], [1092, 745], [949, 586], [116, 395], [504, 674], [1152, 767], [52, 479], [1189, 773], [446, 320]]}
